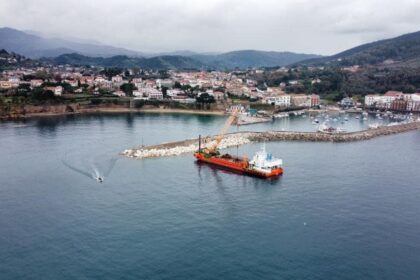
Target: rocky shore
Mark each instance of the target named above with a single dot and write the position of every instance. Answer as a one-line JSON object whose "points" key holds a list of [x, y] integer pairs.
{"points": [[240, 138], [28, 111]]}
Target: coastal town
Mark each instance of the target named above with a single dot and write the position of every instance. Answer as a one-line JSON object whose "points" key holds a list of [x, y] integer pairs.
{"points": [[227, 139], [82, 87]]}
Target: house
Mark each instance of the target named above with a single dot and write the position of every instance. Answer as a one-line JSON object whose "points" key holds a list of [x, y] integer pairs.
{"points": [[5, 85], [391, 95], [238, 108], [183, 99], [399, 105], [281, 100], [89, 80], [315, 100], [413, 102], [219, 95], [117, 80], [174, 92], [154, 94], [36, 83], [14, 81], [99, 80], [73, 83], [301, 100], [346, 102], [119, 93], [164, 83], [58, 90], [372, 100], [383, 101], [106, 85]]}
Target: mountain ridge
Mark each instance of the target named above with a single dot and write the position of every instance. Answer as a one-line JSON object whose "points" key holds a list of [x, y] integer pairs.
{"points": [[403, 48], [33, 45]]}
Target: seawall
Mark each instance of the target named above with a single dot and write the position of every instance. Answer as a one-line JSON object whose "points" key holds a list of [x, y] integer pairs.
{"points": [[240, 138]]}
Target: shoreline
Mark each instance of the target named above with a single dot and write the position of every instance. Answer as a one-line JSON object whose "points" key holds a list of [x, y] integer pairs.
{"points": [[113, 111]]}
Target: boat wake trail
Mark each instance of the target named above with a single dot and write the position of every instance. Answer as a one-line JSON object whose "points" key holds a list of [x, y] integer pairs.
{"points": [[93, 171], [80, 171]]}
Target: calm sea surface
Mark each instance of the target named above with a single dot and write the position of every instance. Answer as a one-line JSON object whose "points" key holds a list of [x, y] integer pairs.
{"points": [[341, 211]]}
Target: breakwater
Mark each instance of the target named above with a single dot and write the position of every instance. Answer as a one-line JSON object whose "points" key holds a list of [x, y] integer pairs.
{"points": [[240, 138]]}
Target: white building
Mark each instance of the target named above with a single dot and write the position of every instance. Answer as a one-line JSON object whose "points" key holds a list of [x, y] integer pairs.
{"points": [[14, 81], [119, 93], [36, 83], [219, 95], [154, 94], [382, 101], [174, 92], [371, 99], [73, 83], [117, 79], [58, 90], [99, 80], [164, 83], [137, 93], [279, 100]]}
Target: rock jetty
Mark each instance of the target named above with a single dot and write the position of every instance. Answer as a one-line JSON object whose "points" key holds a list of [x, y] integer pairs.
{"points": [[240, 138], [181, 147]]}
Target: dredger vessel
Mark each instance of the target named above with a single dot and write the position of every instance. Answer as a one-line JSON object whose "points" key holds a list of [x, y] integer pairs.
{"points": [[262, 165]]}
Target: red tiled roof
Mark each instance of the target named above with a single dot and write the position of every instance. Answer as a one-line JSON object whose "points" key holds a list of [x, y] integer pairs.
{"points": [[392, 93]]}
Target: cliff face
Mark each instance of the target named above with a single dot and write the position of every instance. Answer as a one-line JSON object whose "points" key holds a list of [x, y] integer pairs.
{"points": [[22, 111], [19, 111]]}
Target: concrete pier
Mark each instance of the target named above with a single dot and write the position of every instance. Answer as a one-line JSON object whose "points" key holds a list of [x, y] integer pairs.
{"points": [[240, 138]]}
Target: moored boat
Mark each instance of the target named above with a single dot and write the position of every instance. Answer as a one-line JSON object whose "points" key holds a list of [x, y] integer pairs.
{"points": [[262, 165]]}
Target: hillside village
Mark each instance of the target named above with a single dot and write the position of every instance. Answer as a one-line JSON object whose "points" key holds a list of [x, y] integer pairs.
{"points": [[281, 89], [181, 87]]}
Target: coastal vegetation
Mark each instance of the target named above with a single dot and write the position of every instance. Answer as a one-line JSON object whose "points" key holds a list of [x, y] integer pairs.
{"points": [[335, 83]]}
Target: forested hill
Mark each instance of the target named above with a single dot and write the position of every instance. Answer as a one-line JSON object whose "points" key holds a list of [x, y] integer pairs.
{"points": [[402, 49], [158, 62], [12, 60], [226, 61], [251, 58]]}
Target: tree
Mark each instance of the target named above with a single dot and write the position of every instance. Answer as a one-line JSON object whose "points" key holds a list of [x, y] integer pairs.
{"points": [[136, 71], [110, 72], [40, 94], [164, 91], [67, 87], [205, 98], [177, 85], [23, 89], [128, 88]]}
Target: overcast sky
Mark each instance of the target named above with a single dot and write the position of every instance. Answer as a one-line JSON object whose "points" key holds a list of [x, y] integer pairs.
{"points": [[309, 26]]}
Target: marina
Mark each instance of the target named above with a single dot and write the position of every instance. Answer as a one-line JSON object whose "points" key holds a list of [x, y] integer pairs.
{"points": [[240, 138]]}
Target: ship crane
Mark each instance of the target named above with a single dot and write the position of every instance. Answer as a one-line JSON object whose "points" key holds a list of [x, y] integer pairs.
{"points": [[212, 149], [262, 165]]}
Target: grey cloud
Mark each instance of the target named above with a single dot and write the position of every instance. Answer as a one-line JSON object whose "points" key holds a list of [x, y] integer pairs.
{"points": [[322, 26]]}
